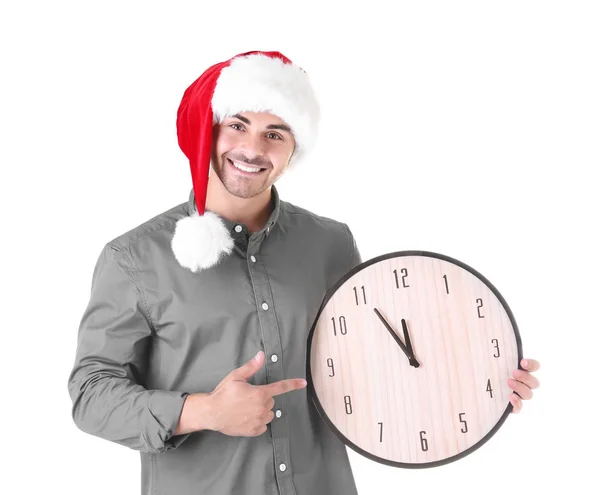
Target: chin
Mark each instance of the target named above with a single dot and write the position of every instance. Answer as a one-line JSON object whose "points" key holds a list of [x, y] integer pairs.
{"points": [[240, 188]]}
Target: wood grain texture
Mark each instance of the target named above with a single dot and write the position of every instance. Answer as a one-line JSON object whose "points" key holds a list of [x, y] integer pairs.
{"points": [[394, 412]]}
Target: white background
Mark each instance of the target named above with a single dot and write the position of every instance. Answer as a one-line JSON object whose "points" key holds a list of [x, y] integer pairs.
{"points": [[465, 128]]}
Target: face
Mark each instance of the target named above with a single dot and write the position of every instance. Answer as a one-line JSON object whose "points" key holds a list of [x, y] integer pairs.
{"points": [[259, 142]]}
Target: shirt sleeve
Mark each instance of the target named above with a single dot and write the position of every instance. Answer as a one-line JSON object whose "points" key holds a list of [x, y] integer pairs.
{"points": [[106, 383], [354, 256]]}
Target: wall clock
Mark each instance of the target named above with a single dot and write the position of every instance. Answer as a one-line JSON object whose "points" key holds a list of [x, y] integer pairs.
{"points": [[408, 359]]}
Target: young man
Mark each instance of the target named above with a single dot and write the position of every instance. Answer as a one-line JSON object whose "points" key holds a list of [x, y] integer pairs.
{"points": [[182, 303]]}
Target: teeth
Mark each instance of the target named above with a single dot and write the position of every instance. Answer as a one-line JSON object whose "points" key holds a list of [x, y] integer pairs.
{"points": [[245, 169]]}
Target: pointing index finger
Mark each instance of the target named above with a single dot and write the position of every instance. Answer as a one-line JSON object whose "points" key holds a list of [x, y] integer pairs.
{"points": [[283, 386]]}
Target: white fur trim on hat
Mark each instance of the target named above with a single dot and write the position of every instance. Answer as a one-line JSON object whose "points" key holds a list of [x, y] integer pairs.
{"points": [[259, 83], [199, 241]]}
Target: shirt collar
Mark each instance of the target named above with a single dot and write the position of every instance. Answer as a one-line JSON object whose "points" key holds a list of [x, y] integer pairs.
{"points": [[268, 227]]}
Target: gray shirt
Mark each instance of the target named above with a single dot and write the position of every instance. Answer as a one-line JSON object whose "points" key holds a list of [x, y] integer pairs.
{"points": [[154, 332]]}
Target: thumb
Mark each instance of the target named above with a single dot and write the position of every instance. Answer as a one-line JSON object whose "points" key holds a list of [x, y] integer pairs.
{"points": [[249, 368]]}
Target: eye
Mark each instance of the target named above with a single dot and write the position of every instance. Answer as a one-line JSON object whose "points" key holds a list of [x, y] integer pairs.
{"points": [[236, 126], [274, 135]]}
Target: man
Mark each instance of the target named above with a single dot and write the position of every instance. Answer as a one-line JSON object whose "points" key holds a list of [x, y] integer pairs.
{"points": [[182, 303]]}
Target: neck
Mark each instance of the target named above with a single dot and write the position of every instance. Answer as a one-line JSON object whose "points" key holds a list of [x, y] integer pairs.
{"points": [[252, 212]]}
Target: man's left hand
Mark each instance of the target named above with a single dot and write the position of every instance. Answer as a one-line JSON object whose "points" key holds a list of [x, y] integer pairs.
{"points": [[523, 383]]}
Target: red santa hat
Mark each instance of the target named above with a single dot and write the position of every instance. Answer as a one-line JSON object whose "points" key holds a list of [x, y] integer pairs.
{"points": [[249, 82]]}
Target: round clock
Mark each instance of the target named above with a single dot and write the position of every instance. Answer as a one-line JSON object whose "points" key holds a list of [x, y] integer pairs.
{"points": [[408, 359]]}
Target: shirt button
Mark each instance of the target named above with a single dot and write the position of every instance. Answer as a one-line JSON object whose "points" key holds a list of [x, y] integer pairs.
{"points": [[253, 259], [274, 358], [282, 467], [278, 413], [265, 306], [238, 228]]}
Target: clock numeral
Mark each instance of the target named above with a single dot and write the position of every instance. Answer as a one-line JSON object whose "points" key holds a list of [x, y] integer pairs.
{"points": [[356, 294], [380, 432], [497, 348], [348, 404], [343, 329], [480, 301], [330, 364], [424, 445], [465, 429], [489, 388], [405, 274], [446, 282]]}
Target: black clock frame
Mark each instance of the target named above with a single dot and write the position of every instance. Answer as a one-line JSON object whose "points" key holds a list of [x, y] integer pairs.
{"points": [[310, 385]]}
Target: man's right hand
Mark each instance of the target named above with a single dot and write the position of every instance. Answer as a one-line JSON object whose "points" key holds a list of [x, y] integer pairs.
{"points": [[239, 408]]}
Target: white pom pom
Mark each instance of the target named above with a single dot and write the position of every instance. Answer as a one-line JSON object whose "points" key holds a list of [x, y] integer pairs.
{"points": [[200, 241]]}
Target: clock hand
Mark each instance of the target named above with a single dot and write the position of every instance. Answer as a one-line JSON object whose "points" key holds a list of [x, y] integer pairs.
{"points": [[407, 338], [413, 361], [409, 355]]}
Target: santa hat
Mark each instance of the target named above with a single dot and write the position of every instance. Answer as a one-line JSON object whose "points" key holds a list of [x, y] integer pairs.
{"points": [[250, 82]]}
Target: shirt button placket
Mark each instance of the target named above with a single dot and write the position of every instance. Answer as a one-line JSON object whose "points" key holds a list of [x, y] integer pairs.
{"points": [[274, 367]]}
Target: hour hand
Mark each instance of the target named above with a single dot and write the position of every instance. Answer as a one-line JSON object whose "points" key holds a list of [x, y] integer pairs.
{"points": [[409, 355], [413, 361]]}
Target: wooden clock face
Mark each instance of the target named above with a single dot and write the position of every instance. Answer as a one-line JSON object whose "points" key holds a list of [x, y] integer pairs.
{"points": [[423, 408]]}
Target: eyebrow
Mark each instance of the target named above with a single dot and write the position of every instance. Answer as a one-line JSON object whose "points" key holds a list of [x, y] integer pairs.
{"points": [[281, 127]]}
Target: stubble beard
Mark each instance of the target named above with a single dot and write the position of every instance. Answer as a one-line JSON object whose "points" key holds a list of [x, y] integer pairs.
{"points": [[239, 186]]}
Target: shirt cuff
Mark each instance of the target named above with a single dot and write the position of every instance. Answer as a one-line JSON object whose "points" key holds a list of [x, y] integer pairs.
{"points": [[164, 409]]}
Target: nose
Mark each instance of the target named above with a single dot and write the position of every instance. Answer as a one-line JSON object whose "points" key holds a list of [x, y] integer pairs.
{"points": [[255, 144]]}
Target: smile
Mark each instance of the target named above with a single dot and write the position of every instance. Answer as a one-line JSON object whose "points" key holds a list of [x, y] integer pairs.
{"points": [[245, 168]]}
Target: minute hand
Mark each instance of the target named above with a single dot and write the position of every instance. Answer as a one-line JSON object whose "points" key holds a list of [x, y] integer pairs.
{"points": [[397, 339]]}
